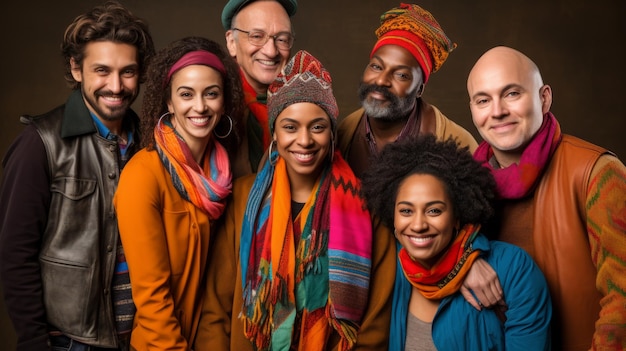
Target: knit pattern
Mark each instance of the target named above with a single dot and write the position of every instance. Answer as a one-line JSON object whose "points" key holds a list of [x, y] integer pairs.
{"points": [[303, 79], [606, 225], [416, 20]]}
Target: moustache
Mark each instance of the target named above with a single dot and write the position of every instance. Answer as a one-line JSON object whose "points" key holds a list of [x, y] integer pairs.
{"points": [[373, 88]]}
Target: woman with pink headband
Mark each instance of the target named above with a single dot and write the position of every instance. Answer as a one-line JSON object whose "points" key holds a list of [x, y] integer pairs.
{"points": [[171, 192]]}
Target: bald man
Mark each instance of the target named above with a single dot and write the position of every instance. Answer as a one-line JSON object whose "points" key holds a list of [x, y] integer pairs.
{"points": [[563, 199]]}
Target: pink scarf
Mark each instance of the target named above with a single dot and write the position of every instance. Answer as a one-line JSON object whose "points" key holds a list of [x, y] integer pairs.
{"points": [[519, 180]]}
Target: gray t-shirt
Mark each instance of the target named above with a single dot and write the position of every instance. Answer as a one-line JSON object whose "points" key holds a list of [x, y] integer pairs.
{"points": [[418, 335]]}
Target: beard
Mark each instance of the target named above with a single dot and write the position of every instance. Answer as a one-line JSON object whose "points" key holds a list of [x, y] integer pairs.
{"points": [[394, 108], [107, 113]]}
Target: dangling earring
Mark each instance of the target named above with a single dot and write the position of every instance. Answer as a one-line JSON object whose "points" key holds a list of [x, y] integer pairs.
{"points": [[230, 129], [269, 154], [161, 120]]}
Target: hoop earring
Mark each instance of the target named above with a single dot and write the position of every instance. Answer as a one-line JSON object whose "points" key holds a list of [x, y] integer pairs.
{"points": [[269, 154], [161, 121], [230, 129]]}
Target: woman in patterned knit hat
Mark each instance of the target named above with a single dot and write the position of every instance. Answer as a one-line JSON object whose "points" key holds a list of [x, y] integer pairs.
{"points": [[297, 257], [435, 197]]}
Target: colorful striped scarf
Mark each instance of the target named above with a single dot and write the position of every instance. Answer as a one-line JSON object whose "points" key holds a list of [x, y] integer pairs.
{"points": [[320, 285], [519, 180], [190, 179]]}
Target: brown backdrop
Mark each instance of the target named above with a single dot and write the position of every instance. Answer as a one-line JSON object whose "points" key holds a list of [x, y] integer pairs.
{"points": [[578, 45]]}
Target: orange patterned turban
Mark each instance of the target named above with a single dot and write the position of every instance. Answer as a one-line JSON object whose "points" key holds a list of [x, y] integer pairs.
{"points": [[416, 30]]}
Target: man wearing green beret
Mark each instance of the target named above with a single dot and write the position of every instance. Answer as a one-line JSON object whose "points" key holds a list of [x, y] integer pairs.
{"points": [[259, 36]]}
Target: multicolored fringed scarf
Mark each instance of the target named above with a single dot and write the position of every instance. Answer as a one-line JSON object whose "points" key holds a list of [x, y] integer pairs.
{"points": [[447, 275], [258, 135], [189, 178], [518, 180], [320, 285]]}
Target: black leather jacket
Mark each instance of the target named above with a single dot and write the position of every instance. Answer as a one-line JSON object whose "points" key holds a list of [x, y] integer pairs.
{"points": [[78, 245]]}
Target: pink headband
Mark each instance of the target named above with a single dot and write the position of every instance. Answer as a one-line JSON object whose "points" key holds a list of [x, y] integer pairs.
{"points": [[199, 57]]}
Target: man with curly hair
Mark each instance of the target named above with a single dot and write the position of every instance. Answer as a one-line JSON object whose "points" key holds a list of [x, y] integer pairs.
{"points": [[562, 199], [63, 271]]}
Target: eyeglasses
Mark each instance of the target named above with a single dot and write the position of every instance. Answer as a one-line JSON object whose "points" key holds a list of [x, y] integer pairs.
{"points": [[259, 38]]}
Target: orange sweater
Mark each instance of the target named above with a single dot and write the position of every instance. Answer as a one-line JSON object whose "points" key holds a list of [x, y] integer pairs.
{"points": [[166, 242]]}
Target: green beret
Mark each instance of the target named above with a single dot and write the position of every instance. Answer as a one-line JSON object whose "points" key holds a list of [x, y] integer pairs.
{"points": [[232, 7]]}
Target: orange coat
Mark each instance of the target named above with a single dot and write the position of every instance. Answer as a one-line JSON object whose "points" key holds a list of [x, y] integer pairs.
{"points": [[166, 242]]}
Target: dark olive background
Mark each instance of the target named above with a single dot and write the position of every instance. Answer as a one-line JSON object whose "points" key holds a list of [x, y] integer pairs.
{"points": [[578, 46]]}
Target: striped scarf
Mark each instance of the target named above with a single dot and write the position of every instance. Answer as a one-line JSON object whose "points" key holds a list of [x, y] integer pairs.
{"points": [[189, 178], [518, 180], [298, 295]]}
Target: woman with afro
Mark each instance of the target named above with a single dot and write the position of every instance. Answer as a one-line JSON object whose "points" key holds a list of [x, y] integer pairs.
{"points": [[435, 197]]}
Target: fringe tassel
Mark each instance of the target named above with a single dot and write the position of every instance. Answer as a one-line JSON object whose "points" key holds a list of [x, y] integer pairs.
{"points": [[346, 329]]}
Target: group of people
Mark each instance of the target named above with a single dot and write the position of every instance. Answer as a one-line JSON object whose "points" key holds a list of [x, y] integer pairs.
{"points": [[239, 211]]}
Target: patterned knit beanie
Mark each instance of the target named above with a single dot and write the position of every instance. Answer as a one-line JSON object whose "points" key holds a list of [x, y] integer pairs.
{"points": [[416, 30], [303, 79]]}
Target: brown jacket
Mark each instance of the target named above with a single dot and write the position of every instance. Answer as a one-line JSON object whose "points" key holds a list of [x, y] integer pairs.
{"points": [[556, 217], [431, 121]]}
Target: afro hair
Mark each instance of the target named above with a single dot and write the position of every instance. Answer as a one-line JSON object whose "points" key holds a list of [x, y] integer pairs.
{"points": [[469, 185]]}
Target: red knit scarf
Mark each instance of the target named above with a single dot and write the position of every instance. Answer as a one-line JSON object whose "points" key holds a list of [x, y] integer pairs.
{"points": [[518, 180], [445, 277], [256, 104]]}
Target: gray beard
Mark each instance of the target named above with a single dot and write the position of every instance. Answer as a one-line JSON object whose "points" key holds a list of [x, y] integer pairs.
{"points": [[396, 108], [395, 111]]}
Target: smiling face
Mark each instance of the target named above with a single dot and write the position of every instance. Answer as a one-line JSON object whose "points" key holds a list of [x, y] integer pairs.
{"points": [[391, 83], [260, 64], [109, 77], [424, 218], [303, 134], [508, 100], [197, 104]]}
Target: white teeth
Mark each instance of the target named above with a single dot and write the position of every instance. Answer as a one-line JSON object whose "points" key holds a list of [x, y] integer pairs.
{"points": [[268, 62], [199, 120], [420, 239], [111, 98], [303, 157]]}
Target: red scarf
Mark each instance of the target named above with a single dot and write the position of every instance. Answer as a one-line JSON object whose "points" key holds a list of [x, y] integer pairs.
{"points": [[519, 180], [445, 277], [257, 105]]}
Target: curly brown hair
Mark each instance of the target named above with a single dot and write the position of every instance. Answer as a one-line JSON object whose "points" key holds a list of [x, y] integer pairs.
{"points": [[156, 95], [108, 22], [469, 185]]}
